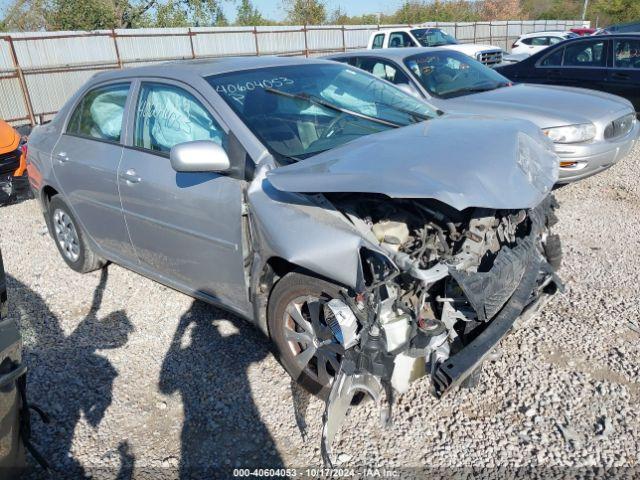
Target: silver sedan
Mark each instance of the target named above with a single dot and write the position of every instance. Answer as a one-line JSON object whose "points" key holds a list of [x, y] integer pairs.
{"points": [[591, 130]]}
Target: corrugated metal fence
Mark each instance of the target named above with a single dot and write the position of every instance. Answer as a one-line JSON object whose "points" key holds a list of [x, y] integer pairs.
{"points": [[40, 70]]}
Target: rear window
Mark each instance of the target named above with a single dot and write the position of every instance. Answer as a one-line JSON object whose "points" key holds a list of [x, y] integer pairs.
{"points": [[99, 113]]}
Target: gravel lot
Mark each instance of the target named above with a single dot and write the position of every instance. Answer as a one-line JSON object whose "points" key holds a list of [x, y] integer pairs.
{"points": [[140, 378]]}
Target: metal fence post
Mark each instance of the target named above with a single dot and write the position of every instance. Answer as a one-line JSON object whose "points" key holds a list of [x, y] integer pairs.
{"points": [[255, 37], [306, 45], [21, 80], [344, 42], [115, 46], [193, 52], [475, 30]]}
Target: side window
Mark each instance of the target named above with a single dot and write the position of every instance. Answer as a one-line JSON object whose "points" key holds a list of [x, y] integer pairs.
{"points": [[168, 115], [99, 113], [627, 53], [378, 41], [554, 59], [540, 41], [527, 41], [383, 70], [554, 40], [400, 39], [584, 54]]}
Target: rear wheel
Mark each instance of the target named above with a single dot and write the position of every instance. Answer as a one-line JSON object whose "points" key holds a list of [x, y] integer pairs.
{"points": [[298, 324], [70, 239]]}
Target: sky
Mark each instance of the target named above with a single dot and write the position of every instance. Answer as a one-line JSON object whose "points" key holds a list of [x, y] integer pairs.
{"points": [[273, 8]]}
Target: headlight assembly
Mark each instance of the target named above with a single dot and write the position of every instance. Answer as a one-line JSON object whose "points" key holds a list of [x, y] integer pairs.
{"points": [[582, 132]]}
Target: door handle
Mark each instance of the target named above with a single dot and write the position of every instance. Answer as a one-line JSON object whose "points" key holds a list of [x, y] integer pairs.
{"points": [[63, 157], [130, 176], [10, 377]]}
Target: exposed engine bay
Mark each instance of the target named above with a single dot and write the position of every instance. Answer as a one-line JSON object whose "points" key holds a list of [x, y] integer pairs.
{"points": [[448, 287]]}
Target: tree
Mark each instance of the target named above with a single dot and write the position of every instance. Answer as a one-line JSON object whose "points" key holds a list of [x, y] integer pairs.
{"points": [[25, 16], [221, 18], [617, 11], [305, 12], [248, 15], [500, 9]]}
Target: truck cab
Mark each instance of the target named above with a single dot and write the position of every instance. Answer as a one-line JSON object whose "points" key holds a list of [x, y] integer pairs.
{"points": [[433, 37]]}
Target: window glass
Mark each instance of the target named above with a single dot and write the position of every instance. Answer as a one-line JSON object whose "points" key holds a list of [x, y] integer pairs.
{"points": [[378, 41], [554, 40], [554, 59], [168, 115], [584, 54], [383, 70], [527, 41], [449, 74], [539, 41], [400, 39], [300, 110], [627, 53], [99, 114], [433, 37]]}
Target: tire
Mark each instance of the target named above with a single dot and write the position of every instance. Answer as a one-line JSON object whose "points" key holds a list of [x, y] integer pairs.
{"points": [[294, 289], [70, 239]]}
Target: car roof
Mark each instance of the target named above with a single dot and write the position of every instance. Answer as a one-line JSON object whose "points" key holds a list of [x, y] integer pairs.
{"points": [[206, 67], [544, 34], [397, 54]]}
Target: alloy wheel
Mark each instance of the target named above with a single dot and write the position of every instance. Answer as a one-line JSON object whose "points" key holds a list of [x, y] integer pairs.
{"points": [[66, 235]]}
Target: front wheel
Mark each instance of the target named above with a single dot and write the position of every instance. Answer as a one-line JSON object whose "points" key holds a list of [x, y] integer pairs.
{"points": [[298, 318], [70, 238]]}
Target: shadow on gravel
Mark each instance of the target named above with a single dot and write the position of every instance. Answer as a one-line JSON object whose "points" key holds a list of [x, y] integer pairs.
{"points": [[67, 378], [222, 428]]}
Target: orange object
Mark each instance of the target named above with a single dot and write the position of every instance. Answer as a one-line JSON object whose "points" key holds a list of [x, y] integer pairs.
{"points": [[9, 142]]}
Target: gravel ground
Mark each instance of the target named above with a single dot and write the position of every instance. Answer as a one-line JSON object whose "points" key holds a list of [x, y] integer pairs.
{"points": [[138, 376]]}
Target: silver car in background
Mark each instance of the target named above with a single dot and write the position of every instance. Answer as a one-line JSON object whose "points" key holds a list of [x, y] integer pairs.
{"points": [[591, 130], [362, 231]]}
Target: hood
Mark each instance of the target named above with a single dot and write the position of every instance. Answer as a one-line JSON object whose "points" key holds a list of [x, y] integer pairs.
{"points": [[463, 161], [9, 138], [545, 105], [471, 49]]}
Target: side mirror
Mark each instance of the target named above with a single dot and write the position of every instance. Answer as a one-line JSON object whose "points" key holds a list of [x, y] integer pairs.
{"points": [[199, 156], [410, 89]]}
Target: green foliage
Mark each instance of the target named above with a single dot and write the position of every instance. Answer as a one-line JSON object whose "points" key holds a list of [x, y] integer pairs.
{"points": [[616, 11], [305, 12], [248, 15]]}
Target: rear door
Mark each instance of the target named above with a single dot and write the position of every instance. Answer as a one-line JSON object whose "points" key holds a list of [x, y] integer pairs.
{"points": [[85, 163], [186, 228], [624, 76], [584, 64], [11, 369]]}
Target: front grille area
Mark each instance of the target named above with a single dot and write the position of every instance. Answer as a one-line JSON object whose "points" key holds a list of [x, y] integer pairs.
{"points": [[490, 57], [9, 162], [620, 126]]}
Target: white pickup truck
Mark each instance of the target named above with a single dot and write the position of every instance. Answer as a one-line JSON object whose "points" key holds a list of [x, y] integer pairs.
{"points": [[433, 37]]}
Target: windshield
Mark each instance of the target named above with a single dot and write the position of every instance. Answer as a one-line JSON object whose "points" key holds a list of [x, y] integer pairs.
{"points": [[447, 74], [433, 37], [300, 110]]}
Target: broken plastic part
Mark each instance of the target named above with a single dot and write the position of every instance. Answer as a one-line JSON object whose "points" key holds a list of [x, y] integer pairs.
{"points": [[343, 324], [345, 387]]}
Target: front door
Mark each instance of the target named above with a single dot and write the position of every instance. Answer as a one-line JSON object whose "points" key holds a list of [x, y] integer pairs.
{"points": [[583, 65], [185, 227], [624, 77], [85, 162]]}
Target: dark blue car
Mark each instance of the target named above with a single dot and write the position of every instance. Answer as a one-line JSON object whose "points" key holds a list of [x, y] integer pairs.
{"points": [[610, 63]]}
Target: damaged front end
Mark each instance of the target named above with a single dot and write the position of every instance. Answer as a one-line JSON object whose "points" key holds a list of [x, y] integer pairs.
{"points": [[443, 289]]}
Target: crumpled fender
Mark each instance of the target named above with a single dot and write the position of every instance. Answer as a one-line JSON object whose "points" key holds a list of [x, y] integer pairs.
{"points": [[305, 230]]}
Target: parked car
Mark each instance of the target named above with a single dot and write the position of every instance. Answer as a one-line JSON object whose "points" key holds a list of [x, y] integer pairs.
{"points": [[534, 42], [591, 131], [13, 169], [12, 371], [583, 31], [608, 63], [630, 27], [354, 224], [433, 37]]}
